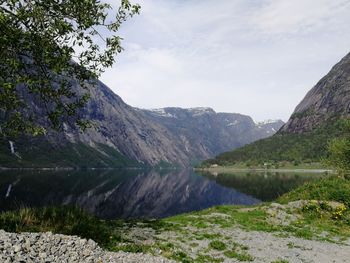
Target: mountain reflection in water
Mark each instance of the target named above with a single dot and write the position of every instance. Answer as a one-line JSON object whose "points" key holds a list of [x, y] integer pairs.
{"points": [[125, 193]]}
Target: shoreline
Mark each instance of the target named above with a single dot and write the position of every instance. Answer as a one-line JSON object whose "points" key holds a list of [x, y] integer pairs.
{"points": [[67, 168], [260, 170], [91, 168]]}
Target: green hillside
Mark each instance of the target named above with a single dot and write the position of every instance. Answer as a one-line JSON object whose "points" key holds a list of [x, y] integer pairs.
{"points": [[283, 147]]}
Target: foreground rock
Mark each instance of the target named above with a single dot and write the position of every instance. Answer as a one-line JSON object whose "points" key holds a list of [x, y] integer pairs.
{"points": [[48, 247]]}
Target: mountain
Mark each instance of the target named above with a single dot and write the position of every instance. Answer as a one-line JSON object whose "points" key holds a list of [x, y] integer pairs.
{"points": [[315, 121], [122, 136], [329, 99], [205, 133], [127, 136]]}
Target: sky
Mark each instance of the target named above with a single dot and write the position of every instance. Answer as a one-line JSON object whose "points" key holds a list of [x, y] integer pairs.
{"points": [[254, 57]]}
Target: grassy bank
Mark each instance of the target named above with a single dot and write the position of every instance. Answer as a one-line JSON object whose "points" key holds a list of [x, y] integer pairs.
{"points": [[208, 235], [63, 220]]}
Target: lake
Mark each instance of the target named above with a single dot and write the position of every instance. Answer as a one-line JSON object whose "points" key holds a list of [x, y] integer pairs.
{"points": [[114, 194]]}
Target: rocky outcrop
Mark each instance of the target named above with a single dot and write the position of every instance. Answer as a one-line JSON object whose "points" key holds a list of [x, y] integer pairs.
{"points": [[329, 99], [127, 130]]}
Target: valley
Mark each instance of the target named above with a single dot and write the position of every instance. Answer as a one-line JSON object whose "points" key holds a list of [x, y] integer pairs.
{"points": [[164, 140], [273, 190]]}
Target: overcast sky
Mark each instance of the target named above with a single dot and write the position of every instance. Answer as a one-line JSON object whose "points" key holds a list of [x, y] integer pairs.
{"points": [[255, 57]]}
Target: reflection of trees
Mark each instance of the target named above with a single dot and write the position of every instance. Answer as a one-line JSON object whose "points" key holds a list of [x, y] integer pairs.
{"points": [[263, 186]]}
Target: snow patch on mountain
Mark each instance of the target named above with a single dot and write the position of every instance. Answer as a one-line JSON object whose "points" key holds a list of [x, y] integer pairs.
{"points": [[201, 111], [266, 122], [232, 123], [161, 112]]}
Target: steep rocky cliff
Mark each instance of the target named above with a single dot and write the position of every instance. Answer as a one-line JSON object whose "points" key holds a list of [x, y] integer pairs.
{"points": [[127, 136], [119, 132], [329, 99]]}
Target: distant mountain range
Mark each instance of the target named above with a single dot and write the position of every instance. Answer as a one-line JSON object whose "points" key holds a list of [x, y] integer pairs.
{"points": [[305, 136], [127, 136], [204, 133]]}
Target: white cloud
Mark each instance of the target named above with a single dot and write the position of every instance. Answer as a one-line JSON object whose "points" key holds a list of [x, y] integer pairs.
{"points": [[256, 57], [300, 16]]}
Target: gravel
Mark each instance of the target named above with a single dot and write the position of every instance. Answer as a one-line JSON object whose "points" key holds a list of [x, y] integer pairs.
{"points": [[266, 247], [263, 247], [48, 247]]}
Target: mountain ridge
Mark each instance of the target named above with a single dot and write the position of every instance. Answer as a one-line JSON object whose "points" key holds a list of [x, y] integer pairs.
{"points": [[209, 132], [127, 136]]}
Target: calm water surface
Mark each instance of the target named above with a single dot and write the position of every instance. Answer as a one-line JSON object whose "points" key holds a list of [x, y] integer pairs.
{"points": [[136, 193]]}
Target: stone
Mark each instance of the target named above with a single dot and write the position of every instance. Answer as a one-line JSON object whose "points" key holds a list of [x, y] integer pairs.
{"points": [[16, 248]]}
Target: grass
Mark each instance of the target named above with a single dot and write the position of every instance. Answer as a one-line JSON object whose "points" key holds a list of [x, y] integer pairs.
{"points": [[280, 261], [319, 214], [312, 225], [217, 245], [64, 220], [238, 256], [327, 189], [207, 259], [73, 221]]}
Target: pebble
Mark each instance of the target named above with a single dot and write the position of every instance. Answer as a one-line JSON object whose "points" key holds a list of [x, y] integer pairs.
{"points": [[48, 247]]}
